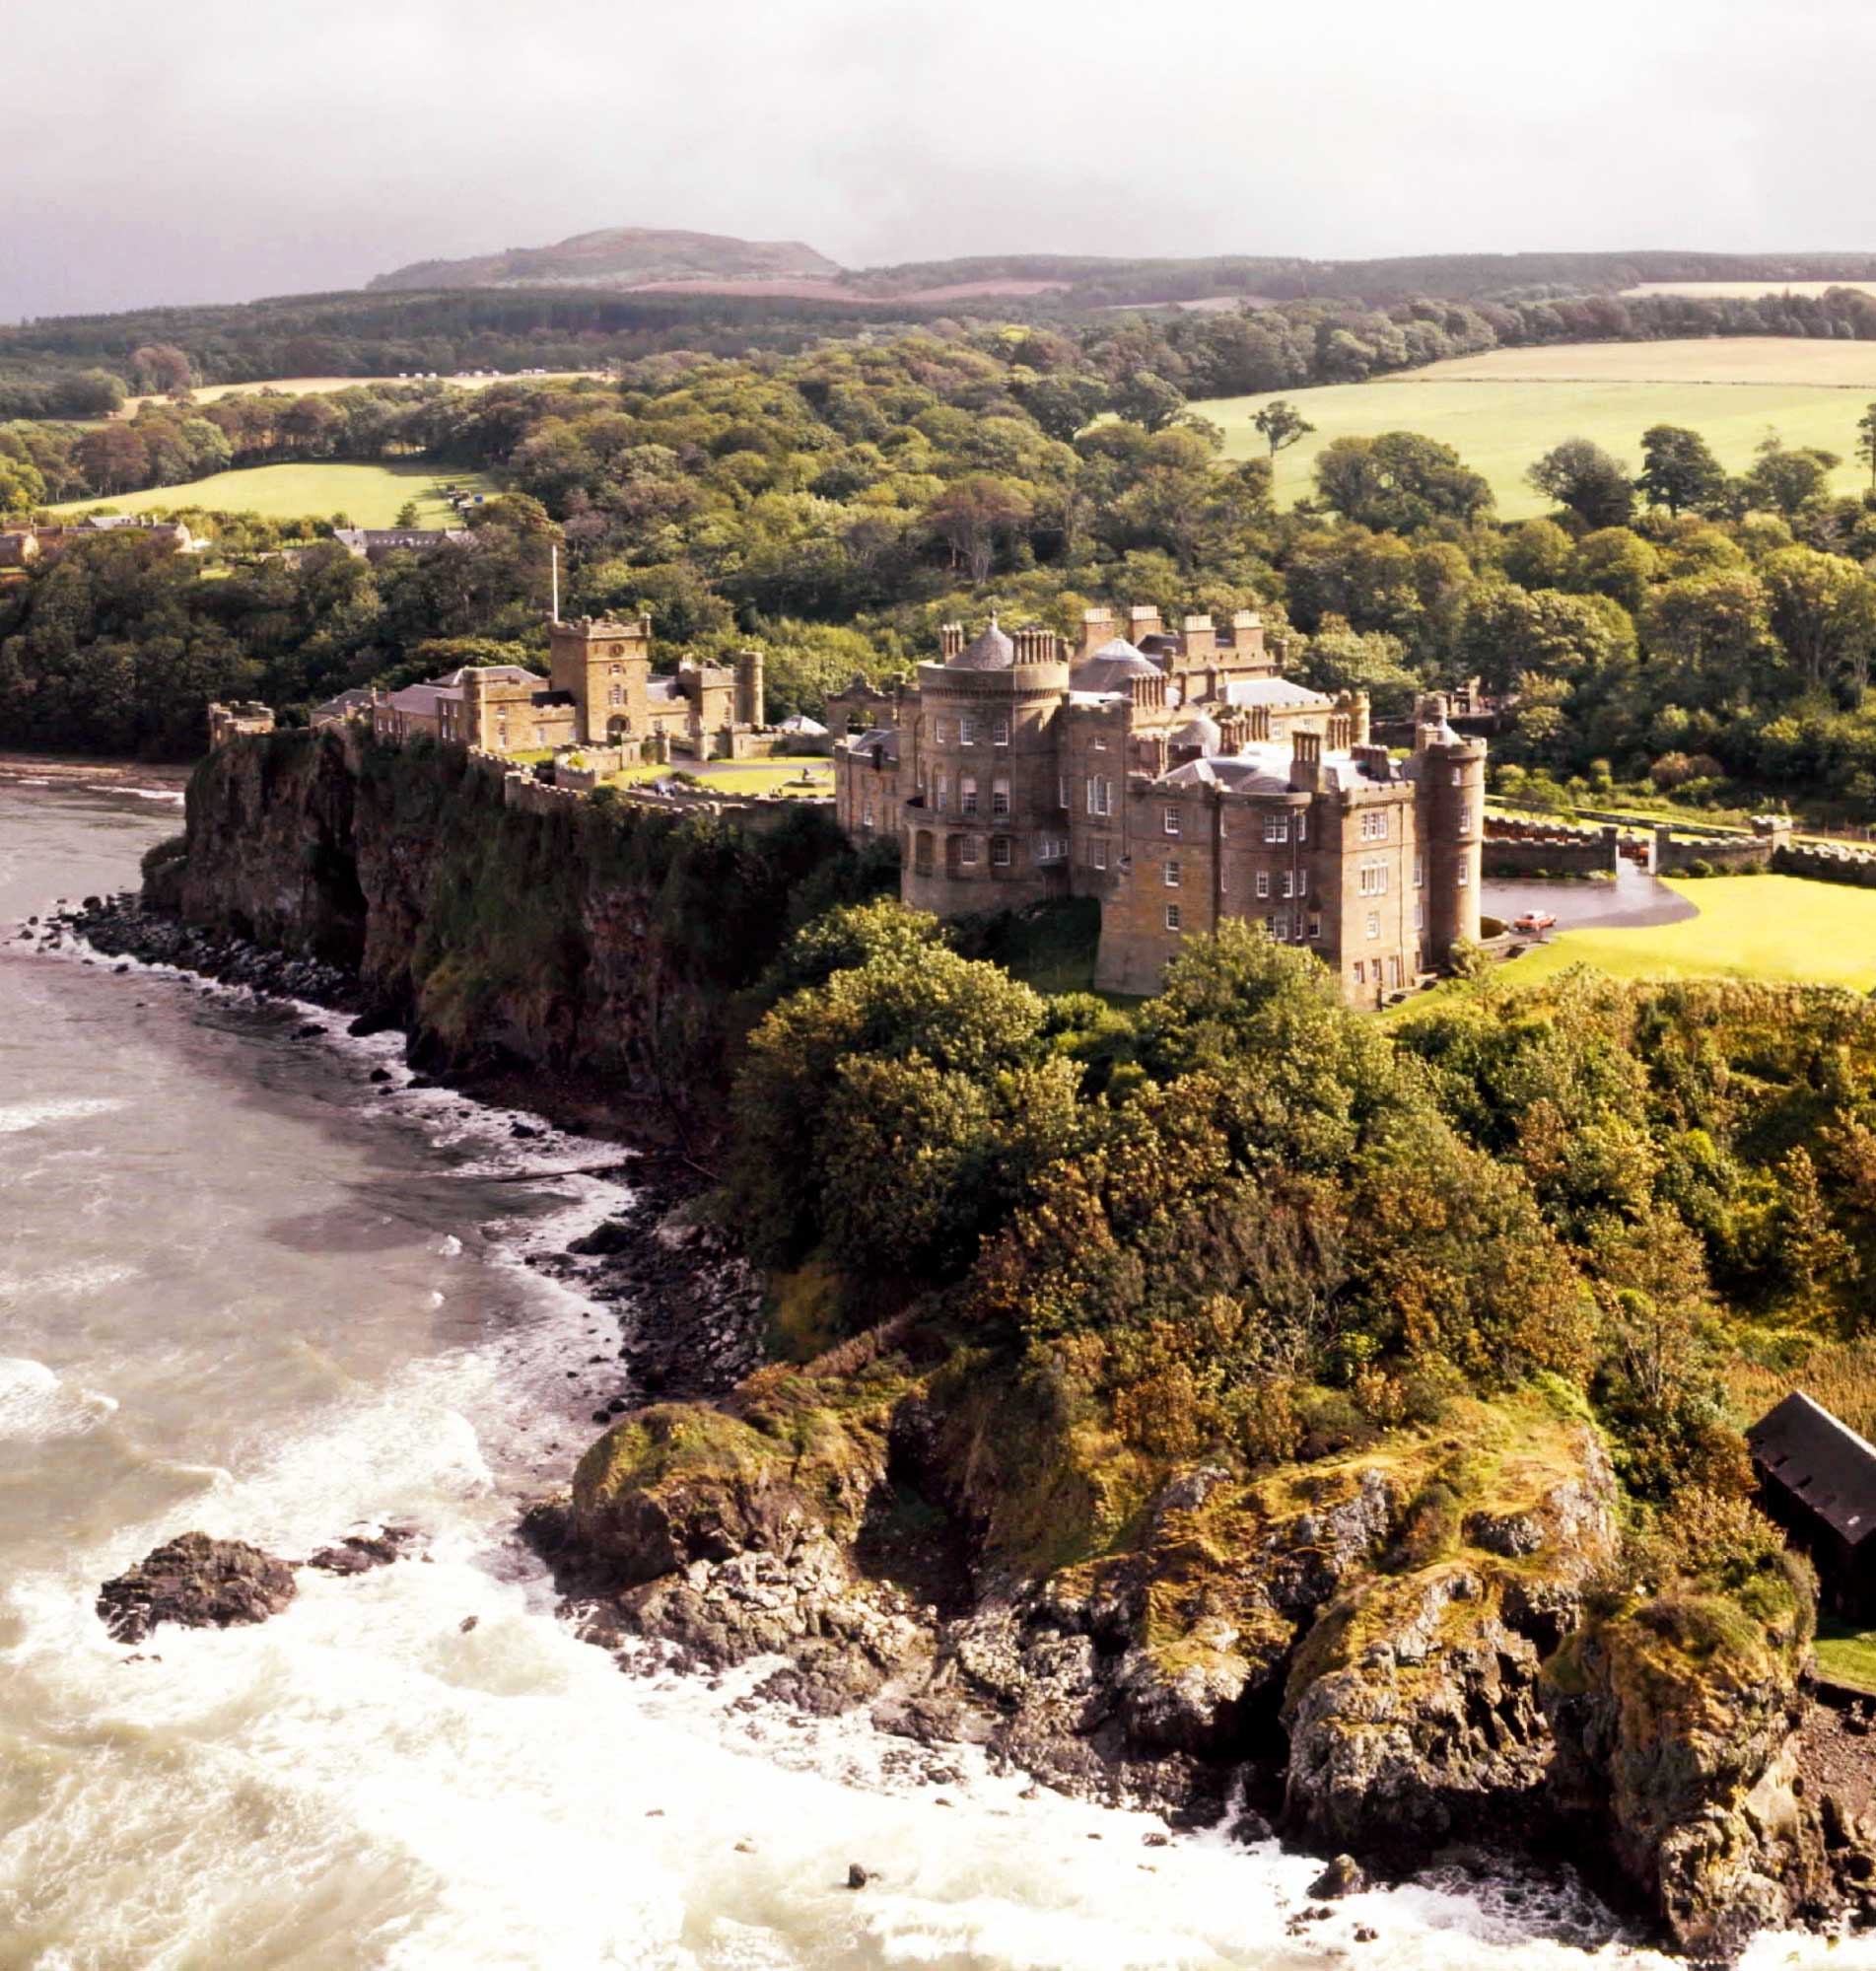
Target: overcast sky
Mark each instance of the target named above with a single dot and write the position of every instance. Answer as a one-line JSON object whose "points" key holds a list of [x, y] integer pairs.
{"points": [[224, 149]]}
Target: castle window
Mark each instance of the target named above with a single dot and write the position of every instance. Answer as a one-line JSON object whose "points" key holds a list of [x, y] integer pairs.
{"points": [[968, 732], [1290, 883], [999, 852], [1315, 926], [1097, 854], [1465, 874], [1099, 742], [615, 671], [1280, 927], [967, 849], [1100, 794], [1302, 827], [1303, 882], [616, 696], [941, 794], [868, 823], [1374, 924], [966, 795], [999, 733], [1223, 883], [1263, 882], [1373, 877], [999, 797], [1172, 821], [1420, 915], [1465, 820], [1360, 973], [1172, 917], [1394, 971], [1171, 875], [1419, 870], [941, 733], [1459, 777], [1374, 825], [1062, 790], [540, 735], [1276, 827]]}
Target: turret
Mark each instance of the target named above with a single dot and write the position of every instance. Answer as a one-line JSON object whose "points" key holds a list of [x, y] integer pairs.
{"points": [[750, 697], [1451, 774]]}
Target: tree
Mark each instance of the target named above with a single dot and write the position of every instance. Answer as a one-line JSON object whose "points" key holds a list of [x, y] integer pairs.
{"points": [[1148, 400], [160, 369], [407, 514], [1615, 562], [1281, 425], [1716, 628], [972, 515], [1679, 471], [1399, 482], [1580, 476], [1822, 609], [1785, 477]]}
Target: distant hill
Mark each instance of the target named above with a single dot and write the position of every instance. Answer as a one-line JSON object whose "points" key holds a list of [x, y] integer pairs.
{"points": [[623, 257]]}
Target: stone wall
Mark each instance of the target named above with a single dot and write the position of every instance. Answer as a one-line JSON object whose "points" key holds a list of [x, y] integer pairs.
{"points": [[1827, 863], [1516, 847], [1677, 848]]}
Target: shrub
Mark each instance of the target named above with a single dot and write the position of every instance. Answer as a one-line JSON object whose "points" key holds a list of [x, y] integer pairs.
{"points": [[1699, 867]]}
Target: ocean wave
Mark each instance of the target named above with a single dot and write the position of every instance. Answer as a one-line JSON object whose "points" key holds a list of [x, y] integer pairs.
{"points": [[18, 1116], [36, 1404]]}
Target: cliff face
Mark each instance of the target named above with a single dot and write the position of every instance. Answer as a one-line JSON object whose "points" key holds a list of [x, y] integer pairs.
{"points": [[610, 945]]}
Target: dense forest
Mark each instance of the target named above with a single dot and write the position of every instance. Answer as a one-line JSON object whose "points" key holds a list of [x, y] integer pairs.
{"points": [[1709, 634], [1396, 314]]}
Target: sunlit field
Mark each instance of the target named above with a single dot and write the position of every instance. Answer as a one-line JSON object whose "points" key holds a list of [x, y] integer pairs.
{"points": [[1504, 410], [368, 495]]}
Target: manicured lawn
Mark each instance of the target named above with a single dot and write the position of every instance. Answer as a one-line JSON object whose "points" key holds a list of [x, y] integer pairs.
{"points": [[1503, 411], [368, 495], [1848, 1655], [753, 776], [1785, 929]]}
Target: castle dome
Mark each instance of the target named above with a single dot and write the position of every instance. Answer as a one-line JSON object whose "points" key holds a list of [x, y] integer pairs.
{"points": [[1109, 667], [1199, 732], [991, 650]]}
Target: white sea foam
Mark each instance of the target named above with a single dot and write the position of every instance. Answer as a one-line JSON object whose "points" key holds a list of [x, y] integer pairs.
{"points": [[38, 1404], [22, 1115]]}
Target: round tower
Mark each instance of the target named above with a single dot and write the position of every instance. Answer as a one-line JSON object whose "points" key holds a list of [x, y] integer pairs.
{"points": [[985, 827], [1451, 773]]}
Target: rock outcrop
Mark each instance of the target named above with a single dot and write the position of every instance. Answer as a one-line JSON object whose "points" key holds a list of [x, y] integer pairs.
{"points": [[197, 1581], [1677, 1727]]}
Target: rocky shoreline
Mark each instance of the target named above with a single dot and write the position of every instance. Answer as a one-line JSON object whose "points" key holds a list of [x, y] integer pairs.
{"points": [[1320, 1679]]}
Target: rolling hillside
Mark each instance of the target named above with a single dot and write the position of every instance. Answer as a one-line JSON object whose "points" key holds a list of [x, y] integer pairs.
{"points": [[624, 257]]}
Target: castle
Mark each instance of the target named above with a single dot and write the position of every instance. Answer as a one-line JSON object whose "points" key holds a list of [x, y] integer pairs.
{"points": [[599, 691], [1177, 778]]}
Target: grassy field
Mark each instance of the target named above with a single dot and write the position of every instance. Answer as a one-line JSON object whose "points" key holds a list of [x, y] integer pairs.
{"points": [[1782, 928], [751, 776], [1504, 410], [1849, 1656], [1745, 290], [368, 495], [307, 386]]}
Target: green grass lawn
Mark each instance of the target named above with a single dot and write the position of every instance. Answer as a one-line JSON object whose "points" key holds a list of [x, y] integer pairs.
{"points": [[745, 776], [1501, 428], [368, 495], [1847, 1655], [1786, 928]]}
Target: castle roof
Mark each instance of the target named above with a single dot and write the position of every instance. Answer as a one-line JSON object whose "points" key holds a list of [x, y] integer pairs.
{"points": [[885, 737], [1198, 731], [1263, 767], [1271, 692], [1109, 667], [990, 650]]}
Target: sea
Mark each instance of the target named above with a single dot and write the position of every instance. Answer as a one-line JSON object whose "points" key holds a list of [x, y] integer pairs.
{"points": [[247, 1289]]}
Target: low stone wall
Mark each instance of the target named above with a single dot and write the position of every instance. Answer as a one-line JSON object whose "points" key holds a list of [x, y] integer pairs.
{"points": [[1827, 863], [1676, 850], [1515, 847]]}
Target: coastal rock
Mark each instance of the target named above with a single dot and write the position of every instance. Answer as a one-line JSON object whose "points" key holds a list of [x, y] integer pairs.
{"points": [[1676, 1726], [1412, 1705], [1343, 1876], [197, 1581]]}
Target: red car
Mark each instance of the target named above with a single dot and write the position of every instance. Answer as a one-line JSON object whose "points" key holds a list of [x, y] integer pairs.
{"points": [[1534, 921]]}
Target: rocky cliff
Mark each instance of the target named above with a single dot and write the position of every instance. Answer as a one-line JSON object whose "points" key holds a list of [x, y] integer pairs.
{"points": [[605, 944]]}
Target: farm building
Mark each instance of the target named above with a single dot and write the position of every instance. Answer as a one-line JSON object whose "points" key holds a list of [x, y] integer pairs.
{"points": [[1818, 1479]]}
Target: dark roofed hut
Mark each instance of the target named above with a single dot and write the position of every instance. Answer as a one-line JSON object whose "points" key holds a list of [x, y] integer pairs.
{"points": [[1818, 1479]]}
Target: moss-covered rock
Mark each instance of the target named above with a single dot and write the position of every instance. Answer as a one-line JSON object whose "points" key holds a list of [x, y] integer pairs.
{"points": [[684, 1482], [1676, 1726]]}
